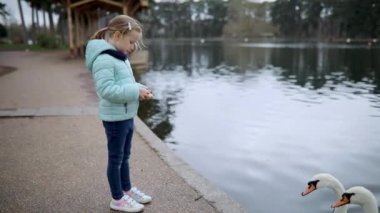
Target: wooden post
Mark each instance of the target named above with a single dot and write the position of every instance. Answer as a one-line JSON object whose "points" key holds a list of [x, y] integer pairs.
{"points": [[125, 7], [94, 26], [70, 28], [144, 3], [82, 34], [77, 39], [88, 30]]}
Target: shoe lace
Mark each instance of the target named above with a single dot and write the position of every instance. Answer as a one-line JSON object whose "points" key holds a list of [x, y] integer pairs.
{"points": [[129, 201], [137, 192]]}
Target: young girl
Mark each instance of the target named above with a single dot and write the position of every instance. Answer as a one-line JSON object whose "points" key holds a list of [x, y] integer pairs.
{"points": [[107, 57]]}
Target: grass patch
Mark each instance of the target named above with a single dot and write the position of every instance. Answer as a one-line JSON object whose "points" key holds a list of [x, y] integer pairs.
{"points": [[19, 47], [33, 47]]}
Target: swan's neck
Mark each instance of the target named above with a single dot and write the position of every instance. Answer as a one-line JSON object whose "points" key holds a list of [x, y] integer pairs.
{"points": [[336, 186], [339, 190], [342, 209], [370, 206]]}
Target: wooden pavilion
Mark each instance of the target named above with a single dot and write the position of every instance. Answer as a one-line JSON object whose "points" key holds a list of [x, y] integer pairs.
{"points": [[84, 17]]}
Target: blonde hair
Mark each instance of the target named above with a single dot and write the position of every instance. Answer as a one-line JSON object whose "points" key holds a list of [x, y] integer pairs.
{"points": [[121, 23]]}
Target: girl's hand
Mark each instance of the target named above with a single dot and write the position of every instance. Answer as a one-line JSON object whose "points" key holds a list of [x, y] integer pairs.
{"points": [[145, 93]]}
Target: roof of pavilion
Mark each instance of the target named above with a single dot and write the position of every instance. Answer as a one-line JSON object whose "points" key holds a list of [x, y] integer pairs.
{"points": [[108, 5]]}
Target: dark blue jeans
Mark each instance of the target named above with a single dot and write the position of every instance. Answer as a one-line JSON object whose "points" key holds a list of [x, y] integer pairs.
{"points": [[119, 141]]}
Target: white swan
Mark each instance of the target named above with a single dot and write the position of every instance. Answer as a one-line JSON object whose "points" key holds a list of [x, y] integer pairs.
{"points": [[358, 195], [322, 180]]}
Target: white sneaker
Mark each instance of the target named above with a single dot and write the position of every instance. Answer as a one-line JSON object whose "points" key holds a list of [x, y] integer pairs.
{"points": [[138, 195], [126, 204]]}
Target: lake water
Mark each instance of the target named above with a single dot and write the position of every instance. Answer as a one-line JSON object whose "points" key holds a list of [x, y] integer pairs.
{"points": [[260, 119]]}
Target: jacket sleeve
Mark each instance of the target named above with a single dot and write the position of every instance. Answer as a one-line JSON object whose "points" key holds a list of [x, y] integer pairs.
{"points": [[106, 87], [140, 85]]}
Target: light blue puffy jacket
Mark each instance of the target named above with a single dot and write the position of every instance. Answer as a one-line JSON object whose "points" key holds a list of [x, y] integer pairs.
{"points": [[114, 82]]}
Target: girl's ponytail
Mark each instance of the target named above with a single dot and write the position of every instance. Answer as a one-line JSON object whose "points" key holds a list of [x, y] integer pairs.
{"points": [[100, 34]]}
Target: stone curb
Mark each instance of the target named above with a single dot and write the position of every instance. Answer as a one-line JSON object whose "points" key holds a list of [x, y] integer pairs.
{"points": [[48, 111]]}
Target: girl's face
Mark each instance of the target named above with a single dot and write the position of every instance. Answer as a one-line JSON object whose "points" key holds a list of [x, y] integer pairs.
{"points": [[126, 43]]}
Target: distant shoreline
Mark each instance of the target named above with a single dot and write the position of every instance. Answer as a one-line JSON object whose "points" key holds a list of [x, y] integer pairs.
{"points": [[373, 41]]}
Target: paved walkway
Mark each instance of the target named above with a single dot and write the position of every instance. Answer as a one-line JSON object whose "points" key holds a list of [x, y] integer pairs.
{"points": [[53, 149]]}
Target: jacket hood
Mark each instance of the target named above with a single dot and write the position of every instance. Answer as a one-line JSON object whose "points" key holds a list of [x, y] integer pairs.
{"points": [[94, 48]]}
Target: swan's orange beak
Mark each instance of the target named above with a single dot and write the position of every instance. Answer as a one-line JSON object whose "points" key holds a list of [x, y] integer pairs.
{"points": [[341, 202], [308, 190]]}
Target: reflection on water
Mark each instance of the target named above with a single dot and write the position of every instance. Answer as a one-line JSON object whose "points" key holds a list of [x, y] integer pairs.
{"points": [[259, 120]]}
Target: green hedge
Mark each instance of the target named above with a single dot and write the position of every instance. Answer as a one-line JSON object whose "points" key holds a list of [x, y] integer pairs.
{"points": [[47, 41]]}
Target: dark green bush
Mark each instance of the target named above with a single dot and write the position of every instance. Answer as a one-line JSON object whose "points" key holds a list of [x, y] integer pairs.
{"points": [[47, 41], [3, 31]]}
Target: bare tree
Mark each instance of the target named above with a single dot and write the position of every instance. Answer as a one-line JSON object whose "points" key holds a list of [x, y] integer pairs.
{"points": [[23, 22], [50, 16]]}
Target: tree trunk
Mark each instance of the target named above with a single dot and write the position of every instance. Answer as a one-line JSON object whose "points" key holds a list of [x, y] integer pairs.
{"points": [[51, 22], [33, 29], [23, 22], [44, 16], [37, 22], [62, 27]]}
